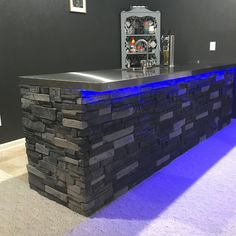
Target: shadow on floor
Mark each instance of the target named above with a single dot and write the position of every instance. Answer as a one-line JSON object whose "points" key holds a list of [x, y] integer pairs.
{"points": [[149, 199], [23, 177]]}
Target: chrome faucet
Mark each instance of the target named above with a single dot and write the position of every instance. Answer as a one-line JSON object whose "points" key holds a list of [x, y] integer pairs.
{"points": [[145, 64]]}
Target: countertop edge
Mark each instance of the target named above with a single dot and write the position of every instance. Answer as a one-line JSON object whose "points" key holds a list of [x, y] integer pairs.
{"points": [[100, 87]]}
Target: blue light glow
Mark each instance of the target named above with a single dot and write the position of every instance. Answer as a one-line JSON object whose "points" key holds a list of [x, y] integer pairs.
{"points": [[135, 90], [195, 192]]}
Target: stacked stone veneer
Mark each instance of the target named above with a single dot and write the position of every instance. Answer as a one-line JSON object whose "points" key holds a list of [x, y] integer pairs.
{"points": [[86, 148]]}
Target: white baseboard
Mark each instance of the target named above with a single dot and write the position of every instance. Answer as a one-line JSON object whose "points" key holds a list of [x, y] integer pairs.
{"points": [[12, 144]]}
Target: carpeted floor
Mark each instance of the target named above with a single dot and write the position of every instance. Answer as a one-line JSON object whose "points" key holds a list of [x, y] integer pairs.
{"points": [[194, 195], [23, 212]]}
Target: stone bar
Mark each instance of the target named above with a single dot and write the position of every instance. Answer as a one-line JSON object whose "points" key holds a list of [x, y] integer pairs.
{"points": [[86, 148]]}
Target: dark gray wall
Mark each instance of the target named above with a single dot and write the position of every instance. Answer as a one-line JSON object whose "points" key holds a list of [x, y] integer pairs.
{"points": [[197, 22], [43, 37]]}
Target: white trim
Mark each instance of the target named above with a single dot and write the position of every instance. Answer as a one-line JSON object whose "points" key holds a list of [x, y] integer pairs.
{"points": [[12, 144], [78, 9]]}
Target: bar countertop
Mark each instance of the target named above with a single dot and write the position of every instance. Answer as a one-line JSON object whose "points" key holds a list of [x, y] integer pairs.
{"points": [[104, 80]]}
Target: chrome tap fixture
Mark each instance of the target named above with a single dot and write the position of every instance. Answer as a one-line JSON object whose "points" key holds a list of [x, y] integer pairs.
{"points": [[148, 63]]}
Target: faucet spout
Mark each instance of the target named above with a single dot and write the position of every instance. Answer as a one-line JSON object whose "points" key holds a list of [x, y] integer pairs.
{"points": [[145, 64], [147, 46]]}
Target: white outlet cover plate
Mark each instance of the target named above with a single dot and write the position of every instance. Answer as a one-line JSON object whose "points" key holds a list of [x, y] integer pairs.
{"points": [[212, 45]]}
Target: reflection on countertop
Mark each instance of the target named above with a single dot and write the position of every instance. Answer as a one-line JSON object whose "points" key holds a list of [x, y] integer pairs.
{"points": [[102, 80]]}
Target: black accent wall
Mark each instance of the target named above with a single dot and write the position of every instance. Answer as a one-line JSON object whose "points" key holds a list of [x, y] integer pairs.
{"points": [[195, 23], [44, 37]]}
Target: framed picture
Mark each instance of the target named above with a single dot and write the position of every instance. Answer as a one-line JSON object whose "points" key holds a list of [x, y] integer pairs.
{"points": [[78, 6]]}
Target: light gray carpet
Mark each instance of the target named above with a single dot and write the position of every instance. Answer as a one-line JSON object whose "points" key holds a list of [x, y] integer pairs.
{"points": [[195, 195], [24, 212]]}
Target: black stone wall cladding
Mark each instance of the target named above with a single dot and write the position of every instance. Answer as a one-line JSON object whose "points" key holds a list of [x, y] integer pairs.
{"points": [[86, 149]]}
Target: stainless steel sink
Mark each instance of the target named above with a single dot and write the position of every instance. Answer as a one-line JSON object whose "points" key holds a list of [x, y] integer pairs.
{"points": [[134, 69], [138, 70]]}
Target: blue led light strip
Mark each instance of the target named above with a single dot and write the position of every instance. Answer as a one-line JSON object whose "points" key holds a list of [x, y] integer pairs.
{"points": [[134, 90]]}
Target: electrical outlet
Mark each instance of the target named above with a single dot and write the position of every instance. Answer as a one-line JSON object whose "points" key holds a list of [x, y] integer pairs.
{"points": [[212, 45]]}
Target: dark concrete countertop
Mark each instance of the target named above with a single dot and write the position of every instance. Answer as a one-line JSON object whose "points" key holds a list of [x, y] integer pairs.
{"points": [[103, 80]]}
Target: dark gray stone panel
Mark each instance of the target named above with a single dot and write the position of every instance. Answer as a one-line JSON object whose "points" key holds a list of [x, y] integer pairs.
{"points": [[85, 151]]}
